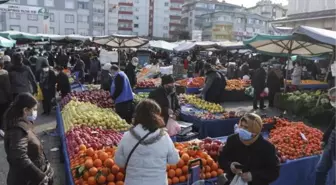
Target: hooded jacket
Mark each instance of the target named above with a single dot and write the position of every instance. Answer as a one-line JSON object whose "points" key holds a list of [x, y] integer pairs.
{"points": [[147, 165], [213, 90], [5, 87], [22, 80]]}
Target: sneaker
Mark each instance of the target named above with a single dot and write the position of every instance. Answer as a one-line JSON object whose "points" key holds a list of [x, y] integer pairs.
{"points": [[2, 133]]}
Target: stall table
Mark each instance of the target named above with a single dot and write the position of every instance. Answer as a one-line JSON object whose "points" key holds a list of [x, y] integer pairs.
{"points": [[298, 172], [313, 86], [136, 91]]}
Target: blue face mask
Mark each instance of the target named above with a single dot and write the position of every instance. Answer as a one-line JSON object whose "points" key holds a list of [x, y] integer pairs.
{"points": [[33, 116], [243, 134]]}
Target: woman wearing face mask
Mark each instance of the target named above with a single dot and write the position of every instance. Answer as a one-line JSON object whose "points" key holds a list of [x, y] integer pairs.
{"points": [[249, 155], [47, 80], [27, 163], [130, 71]]}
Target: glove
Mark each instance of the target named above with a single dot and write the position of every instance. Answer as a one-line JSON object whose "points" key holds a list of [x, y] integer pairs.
{"points": [[233, 168], [247, 177]]}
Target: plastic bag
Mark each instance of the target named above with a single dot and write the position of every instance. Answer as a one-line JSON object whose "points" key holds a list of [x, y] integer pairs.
{"points": [[173, 127], [39, 95], [237, 180], [265, 92]]}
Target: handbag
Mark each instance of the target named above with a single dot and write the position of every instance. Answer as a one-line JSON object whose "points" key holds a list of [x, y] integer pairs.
{"points": [[135, 146]]}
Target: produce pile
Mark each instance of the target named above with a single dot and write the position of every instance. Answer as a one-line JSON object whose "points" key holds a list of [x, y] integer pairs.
{"points": [[196, 82], [100, 98], [294, 140], [140, 96], [304, 103], [90, 137], [84, 113], [211, 116], [148, 83], [200, 103], [236, 85], [308, 82], [211, 147]]}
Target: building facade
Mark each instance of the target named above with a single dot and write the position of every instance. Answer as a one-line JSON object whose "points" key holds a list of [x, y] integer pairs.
{"points": [[268, 9], [192, 12], [153, 18], [233, 25], [314, 13]]}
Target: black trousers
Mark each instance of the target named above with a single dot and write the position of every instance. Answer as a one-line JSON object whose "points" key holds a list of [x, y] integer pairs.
{"points": [[46, 102], [125, 110], [3, 108], [257, 97], [94, 78]]}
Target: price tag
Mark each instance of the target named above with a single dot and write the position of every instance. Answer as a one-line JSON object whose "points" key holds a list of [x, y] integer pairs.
{"points": [[303, 136]]}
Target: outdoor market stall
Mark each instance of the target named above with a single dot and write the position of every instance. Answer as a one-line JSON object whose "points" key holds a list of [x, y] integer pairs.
{"points": [[310, 84]]}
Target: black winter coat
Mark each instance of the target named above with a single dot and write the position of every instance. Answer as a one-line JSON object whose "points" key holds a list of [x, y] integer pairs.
{"points": [[5, 87], [25, 156], [258, 80], [213, 90], [22, 80], [130, 72], [259, 158], [63, 84], [160, 96], [273, 82], [105, 80]]}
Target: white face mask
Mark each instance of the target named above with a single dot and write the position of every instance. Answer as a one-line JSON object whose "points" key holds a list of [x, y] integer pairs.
{"points": [[333, 104], [33, 116], [135, 63], [46, 69]]}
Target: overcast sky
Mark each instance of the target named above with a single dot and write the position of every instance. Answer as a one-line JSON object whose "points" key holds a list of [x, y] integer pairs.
{"points": [[249, 3]]}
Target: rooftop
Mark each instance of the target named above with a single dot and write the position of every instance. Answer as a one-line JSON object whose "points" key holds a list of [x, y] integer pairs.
{"points": [[268, 2], [308, 15], [212, 2], [238, 12]]}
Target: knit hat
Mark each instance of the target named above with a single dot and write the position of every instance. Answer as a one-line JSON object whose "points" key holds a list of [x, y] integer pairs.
{"points": [[167, 79]]}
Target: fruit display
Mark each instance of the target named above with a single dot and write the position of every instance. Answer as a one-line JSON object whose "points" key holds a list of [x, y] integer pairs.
{"points": [[96, 138], [211, 116], [189, 151], [211, 147], [196, 82], [200, 103], [93, 167], [100, 98], [77, 113], [308, 82], [236, 85], [145, 84], [140, 96], [294, 140], [92, 87]]}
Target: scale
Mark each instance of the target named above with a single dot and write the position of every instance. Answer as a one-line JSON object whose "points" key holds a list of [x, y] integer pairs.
{"points": [[185, 127]]}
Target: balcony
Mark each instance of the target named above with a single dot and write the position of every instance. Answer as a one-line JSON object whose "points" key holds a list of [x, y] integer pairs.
{"points": [[125, 20], [176, 9], [175, 17], [177, 1], [174, 24], [126, 12], [125, 3], [125, 28]]}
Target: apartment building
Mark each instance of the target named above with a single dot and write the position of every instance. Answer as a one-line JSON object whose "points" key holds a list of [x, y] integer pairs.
{"points": [[268, 9]]}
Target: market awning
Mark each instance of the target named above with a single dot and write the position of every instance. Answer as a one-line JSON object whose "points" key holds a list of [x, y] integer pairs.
{"points": [[6, 43], [186, 46], [120, 41], [232, 45], [321, 35], [17, 35], [161, 44], [64, 38]]}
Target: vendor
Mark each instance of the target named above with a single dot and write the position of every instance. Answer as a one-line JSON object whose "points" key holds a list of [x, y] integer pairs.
{"points": [[166, 97], [122, 95], [215, 83], [62, 81], [241, 155]]}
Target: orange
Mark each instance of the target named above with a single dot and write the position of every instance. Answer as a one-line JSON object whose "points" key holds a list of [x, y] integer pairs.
{"points": [[88, 164], [90, 152], [204, 162], [178, 172], [101, 179], [185, 157], [175, 180], [86, 175], [120, 183], [93, 171], [169, 181], [103, 156], [108, 163], [105, 171], [214, 167], [82, 147], [122, 170], [120, 176], [207, 175], [220, 171], [115, 169], [97, 163], [167, 167], [94, 156], [91, 181], [207, 169], [202, 176], [210, 161], [111, 183], [182, 178], [171, 173], [180, 164], [110, 178], [213, 174], [185, 169], [173, 167]]}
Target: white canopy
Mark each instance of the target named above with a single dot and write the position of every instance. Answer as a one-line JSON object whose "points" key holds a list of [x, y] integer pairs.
{"points": [[120, 41], [186, 46], [161, 44]]}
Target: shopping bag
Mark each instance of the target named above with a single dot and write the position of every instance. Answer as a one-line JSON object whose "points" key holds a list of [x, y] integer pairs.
{"points": [[173, 127], [237, 180], [39, 95], [265, 92]]}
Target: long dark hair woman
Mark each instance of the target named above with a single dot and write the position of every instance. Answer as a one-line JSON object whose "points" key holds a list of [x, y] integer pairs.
{"points": [[146, 149], [27, 163]]}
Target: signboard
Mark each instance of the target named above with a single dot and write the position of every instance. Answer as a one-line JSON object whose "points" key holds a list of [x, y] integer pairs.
{"points": [[196, 35], [222, 32], [23, 9]]}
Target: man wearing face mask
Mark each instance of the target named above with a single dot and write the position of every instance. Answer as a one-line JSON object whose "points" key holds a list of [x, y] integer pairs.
{"points": [[241, 154], [130, 71], [122, 95], [47, 80], [328, 156], [166, 97]]}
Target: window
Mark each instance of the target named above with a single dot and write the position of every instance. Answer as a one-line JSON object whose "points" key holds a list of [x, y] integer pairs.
{"points": [[15, 27], [69, 18], [32, 2], [250, 21], [69, 4], [32, 29], [51, 30], [99, 24], [15, 1], [13, 15], [136, 25], [97, 10], [83, 5], [165, 27], [52, 17], [83, 32], [69, 31], [166, 3], [49, 3], [32, 17], [82, 18], [137, 17]]}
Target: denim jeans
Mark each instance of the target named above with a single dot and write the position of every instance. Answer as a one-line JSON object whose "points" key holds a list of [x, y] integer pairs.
{"points": [[323, 166]]}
